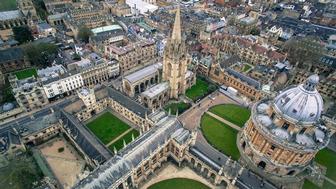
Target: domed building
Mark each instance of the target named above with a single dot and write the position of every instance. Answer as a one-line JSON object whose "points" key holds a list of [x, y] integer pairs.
{"points": [[283, 135]]}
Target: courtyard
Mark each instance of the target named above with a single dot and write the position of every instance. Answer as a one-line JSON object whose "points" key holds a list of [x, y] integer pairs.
{"points": [[23, 74], [107, 127], [64, 161], [233, 113], [179, 183], [112, 131], [220, 136], [200, 89]]}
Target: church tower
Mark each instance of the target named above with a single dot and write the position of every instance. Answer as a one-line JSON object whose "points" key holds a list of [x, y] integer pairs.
{"points": [[176, 60]]}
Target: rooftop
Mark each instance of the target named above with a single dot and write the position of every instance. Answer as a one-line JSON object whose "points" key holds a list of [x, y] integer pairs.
{"points": [[143, 73], [156, 90], [11, 54], [9, 15]]}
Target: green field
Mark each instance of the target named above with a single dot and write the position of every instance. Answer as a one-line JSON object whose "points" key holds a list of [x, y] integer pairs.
{"points": [[107, 127], [22, 172], [22, 74], [200, 89], [181, 107], [7, 5], [246, 67], [119, 144], [233, 113], [179, 183], [327, 158], [220, 136]]}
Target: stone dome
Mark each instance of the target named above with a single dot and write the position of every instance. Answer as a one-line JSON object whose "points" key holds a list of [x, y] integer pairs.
{"points": [[302, 103]]}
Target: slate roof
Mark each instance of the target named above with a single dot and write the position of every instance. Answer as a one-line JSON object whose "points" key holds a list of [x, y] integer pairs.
{"points": [[11, 54], [242, 77]]}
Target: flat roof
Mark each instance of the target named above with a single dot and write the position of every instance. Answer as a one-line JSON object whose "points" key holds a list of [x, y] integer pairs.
{"points": [[106, 28], [156, 90]]}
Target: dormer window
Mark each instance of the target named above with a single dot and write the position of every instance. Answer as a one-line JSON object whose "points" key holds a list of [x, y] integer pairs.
{"points": [[285, 126], [294, 111]]}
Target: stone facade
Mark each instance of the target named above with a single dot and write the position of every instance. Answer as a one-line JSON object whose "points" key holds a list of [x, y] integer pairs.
{"points": [[132, 55], [175, 61], [13, 59], [27, 8], [118, 8], [139, 81], [29, 93], [231, 78], [282, 137], [156, 96]]}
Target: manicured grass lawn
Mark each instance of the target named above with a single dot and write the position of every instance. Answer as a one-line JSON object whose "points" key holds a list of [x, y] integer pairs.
{"points": [[119, 144], [107, 127], [220, 136], [246, 67], [26, 73], [179, 183], [200, 89], [6, 5], [327, 158], [233, 113], [181, 107]]}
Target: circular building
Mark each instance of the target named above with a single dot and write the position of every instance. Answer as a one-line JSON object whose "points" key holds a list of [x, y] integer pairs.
{"points": [[283, 135]]}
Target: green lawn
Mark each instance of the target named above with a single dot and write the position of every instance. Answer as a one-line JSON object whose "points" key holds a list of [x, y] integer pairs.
{"points": [[179, 183], [327, 158], [26, 73], [181, 107], [119, 144], [107, 127], [200, 89], [233, 113], [220, 136], [246, 67], [6, 5]]}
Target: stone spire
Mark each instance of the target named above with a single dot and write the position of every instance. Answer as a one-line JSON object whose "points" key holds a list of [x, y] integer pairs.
{"points": [[176, 35]]}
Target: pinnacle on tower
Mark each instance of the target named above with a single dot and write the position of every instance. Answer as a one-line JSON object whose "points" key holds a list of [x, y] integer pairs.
{"points": [[176, 35]]}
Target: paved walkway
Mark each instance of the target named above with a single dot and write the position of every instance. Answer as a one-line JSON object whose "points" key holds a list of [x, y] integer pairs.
{"points": [[172, 171], [119, 137], [234, 126]]}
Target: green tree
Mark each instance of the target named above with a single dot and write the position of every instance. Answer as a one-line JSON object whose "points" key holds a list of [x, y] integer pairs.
{"points": [[255, 31], [84, 34], [304, 50], [41, 54], [22, 34]]}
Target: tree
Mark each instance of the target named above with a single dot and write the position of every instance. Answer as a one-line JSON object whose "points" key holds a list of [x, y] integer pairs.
{"points": [[84, 33], [41, 54], [22, 34], [255, 31], [304, 50]]}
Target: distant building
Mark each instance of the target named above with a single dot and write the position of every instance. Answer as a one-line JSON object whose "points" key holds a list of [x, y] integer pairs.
{"points": [[117, 7], [132, 55], [29, 93], [13, 59]]}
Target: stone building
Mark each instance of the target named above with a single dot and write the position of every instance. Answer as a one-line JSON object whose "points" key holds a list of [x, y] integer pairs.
{"points": [[248, 51], [133, 54], [117, 7], [175, 61], [283, 135], [29, 93], [94, 72], [156, 96], [88, 15], [139, 81], [57, 6], [27, 8], [12, 59], [229, 77]]}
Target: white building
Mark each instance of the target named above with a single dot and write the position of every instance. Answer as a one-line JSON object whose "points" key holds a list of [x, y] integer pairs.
{"points": [[57, 81]]}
